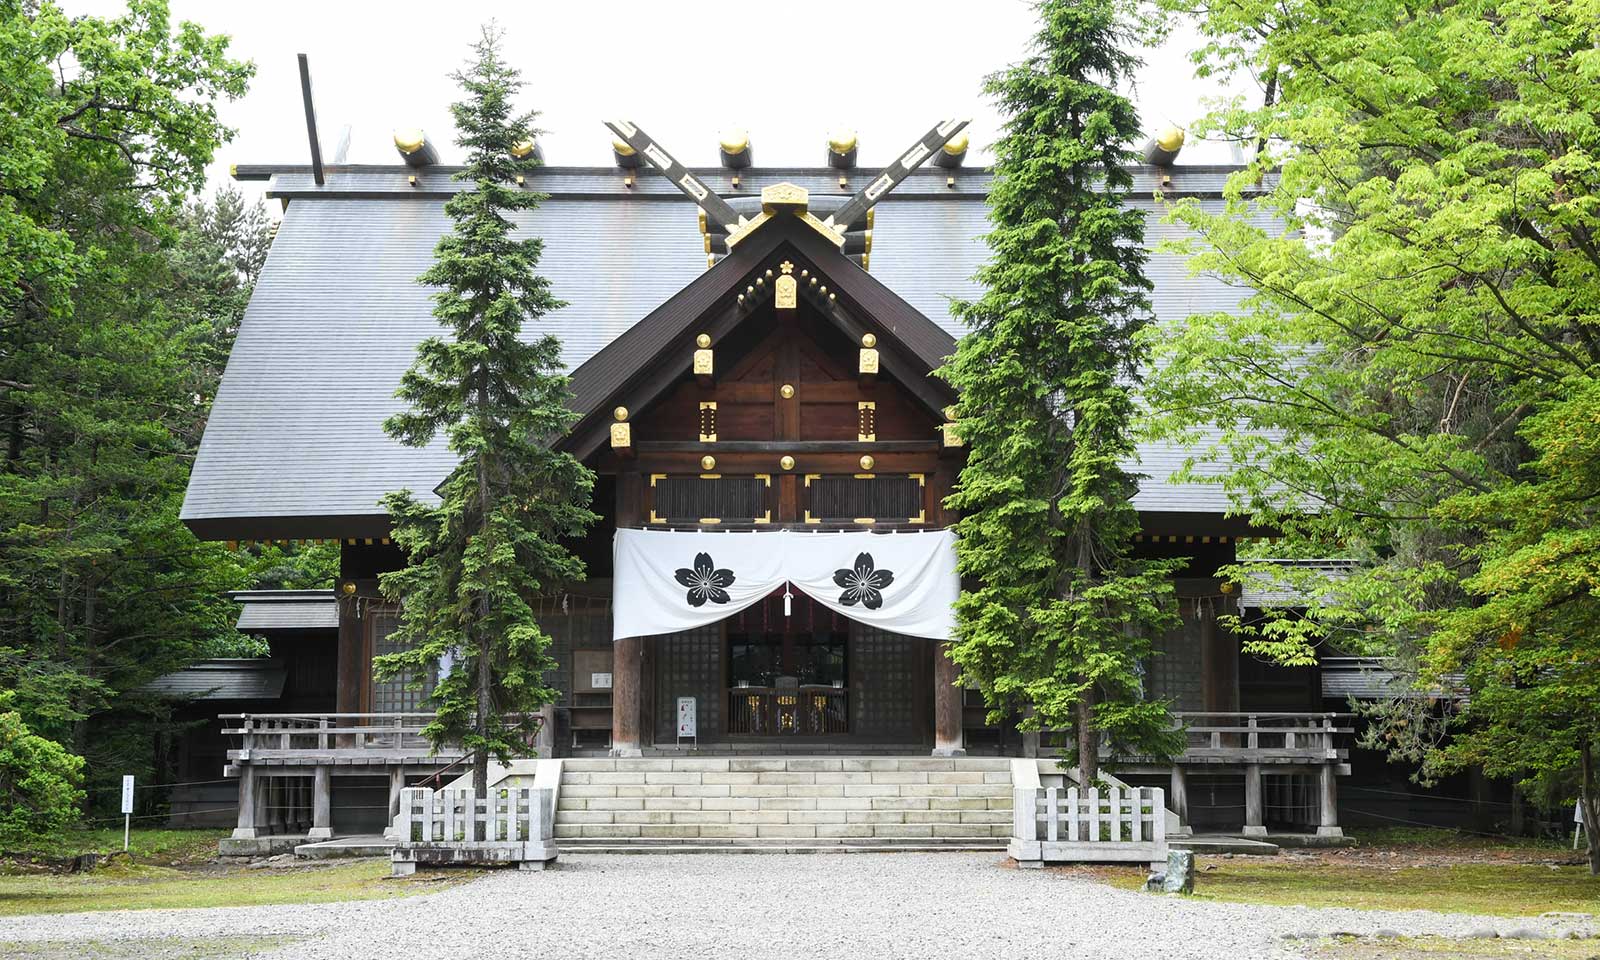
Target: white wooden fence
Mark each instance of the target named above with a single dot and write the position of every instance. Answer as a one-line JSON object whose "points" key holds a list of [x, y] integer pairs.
{"points": [[454, 826], [1072, 825]]}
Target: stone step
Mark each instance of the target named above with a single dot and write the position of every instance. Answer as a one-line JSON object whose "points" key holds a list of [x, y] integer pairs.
{"points": [[863, 845], [796, 764]]}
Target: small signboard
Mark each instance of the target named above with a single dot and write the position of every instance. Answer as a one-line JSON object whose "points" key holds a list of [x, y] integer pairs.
{"points": [[688, 721], [127, 793], [600, 681]]}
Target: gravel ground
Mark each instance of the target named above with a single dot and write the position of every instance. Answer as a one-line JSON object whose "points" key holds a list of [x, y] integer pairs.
{"points": [[758, 906]]}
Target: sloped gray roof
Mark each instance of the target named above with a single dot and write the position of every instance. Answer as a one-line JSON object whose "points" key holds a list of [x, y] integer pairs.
{"points": [[295, 430], [223, 680], [1269, 589], [267, 610]]}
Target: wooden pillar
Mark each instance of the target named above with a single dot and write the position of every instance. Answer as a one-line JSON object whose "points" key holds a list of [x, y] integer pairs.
{"points": [[351, 666], [246, 827], [1178, 795], [947, 735], [1219, 662], [627, 695], [1328, 802], [1255, 823], [544, 744], [321, 804]]}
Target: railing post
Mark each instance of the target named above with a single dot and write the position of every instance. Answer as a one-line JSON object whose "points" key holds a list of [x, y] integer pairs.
{"points": [[322, 803], [1254, 820], [322, 738], [1253, 741]]}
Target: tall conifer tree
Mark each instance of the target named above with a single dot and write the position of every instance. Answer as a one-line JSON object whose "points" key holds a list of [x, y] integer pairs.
{"points": [[477, 560], [1063, 614]]}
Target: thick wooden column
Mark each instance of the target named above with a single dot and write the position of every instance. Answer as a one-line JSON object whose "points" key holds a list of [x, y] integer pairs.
{"points": [[627, 697], [947, 737], [1328, 795], [1255, 823], [322, 804]]}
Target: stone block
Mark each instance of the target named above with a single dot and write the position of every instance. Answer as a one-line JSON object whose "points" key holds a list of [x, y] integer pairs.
{"points": [[643, 816], [609, 830], [631, 777], [900, 776], [756, 765], [764, 790], [900, 803], [581, 791], [957, 776], [639, 764], [814, 765], [1179, 877], [672, 803], [644, 790], [613, 803], [788, 803], [587, 765], [927, 789], [584, 816], [844, 803], [672, 830], [814, 790], [903, 830], [997, 776], [795, 830], [933, 816], [983, 790], [984, 816], [786, 779], [575, 803], [569, 778], [875, 816], [700, 790], [668, 776], [841, 776], [958, 803], [871, 790], [844, 830], [730, 803], [728, 778], [758, 816], [925, 764], [699, 816], [700, 765], [729, 831], [817, 816], [961, 830]]}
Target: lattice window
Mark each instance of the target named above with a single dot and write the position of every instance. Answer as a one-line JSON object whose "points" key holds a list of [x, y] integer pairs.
{"points": [[710, 498], [573, 623], [689, 664], [884, 679], [865, 498], [394, 695]]}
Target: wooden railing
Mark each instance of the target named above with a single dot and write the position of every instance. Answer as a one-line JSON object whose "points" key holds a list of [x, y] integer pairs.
{"points": [[297, 738], [1096, 826], [788, 712], [1260, 736]]}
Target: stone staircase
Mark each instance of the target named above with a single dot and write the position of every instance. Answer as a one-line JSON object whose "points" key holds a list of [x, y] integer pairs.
{"points": [[813, 803]]}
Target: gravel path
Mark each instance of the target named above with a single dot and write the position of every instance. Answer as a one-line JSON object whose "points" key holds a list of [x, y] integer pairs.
{"points": [[758, 906]]}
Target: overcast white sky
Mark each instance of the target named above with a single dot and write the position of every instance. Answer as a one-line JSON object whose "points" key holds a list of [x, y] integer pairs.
{"points": [[887, 68]]}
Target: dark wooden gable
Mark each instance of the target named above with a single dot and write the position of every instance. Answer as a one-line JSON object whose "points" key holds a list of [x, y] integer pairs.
{"points": [[652, 360]]}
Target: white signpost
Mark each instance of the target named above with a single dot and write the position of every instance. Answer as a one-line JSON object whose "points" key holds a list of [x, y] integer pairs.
{"points": [[688, 721], [127, 808]]}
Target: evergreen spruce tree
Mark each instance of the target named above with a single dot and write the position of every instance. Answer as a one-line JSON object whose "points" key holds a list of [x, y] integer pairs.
{"points": [[479, 557], [1063, 614]]}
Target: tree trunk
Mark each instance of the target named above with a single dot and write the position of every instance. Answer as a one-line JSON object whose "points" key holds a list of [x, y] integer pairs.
{"points": [[1088, 741], [1591, 806]]}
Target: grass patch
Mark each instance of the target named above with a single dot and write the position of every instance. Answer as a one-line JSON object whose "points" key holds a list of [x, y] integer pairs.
{"points": [[1493, 889], [145, 887], [223, 948], [1438, 948], [144, 846]]}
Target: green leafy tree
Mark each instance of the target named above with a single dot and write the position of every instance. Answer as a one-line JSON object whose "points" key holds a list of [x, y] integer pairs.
{"points": [[106, 126], [1063, 614], [478, 558], [1414, 382], [39, 782]]}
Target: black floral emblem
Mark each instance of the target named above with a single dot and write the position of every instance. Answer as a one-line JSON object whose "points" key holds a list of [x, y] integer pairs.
{"points": [[705, 581], [863, 584]]}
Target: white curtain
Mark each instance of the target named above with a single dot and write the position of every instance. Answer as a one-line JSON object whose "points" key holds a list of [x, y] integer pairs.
{"points": [[667, 581]]}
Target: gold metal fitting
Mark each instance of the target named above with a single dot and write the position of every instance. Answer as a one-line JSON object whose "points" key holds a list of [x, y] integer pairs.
{"points": [[348, 587], [842, 140], [1170, 139], [786, 391], [409, 140], [786, 462], [867, 462], [735, 141], [708, 463], [522, 148], [621, 413], [957, 145], [622, 148], [869, 340], [702, 341]]}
